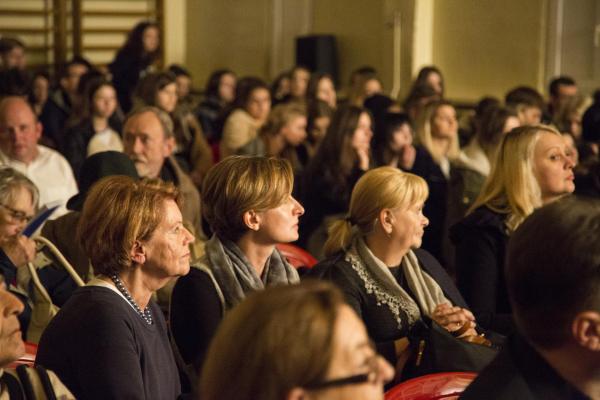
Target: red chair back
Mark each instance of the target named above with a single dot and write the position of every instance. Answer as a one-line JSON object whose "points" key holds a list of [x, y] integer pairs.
{"points": [[297, 256], [28, 358], [445, 385]]}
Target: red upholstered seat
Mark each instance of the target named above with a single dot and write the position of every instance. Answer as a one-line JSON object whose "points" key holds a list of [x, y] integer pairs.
{"points": [[297, 256], [446, 385]]}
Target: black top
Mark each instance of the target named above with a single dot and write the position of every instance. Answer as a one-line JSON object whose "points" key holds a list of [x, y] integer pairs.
{"points": [[54, 117], [102, 349], [519, 372], [381, 324], [436, 204], [480, 240], [321, 196], [196, 312]]}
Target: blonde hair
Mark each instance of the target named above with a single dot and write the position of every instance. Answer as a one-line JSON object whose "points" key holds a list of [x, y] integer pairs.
{"points": [[511, 188], [280, 116], [379, 188], [239, 184], [424, 135], [117, 211]]}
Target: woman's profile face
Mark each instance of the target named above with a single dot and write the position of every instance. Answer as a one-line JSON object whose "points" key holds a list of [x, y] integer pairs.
{"points": [[294, 131], [167, 252], [409, 226], [434, 80], [401, 137], [553, 167], [361, 140], [280, 224], [150, 39], [15, 214], [353, 354], [444, 124], [259, 104], [105, 101], [326, 92], [166, 98]]}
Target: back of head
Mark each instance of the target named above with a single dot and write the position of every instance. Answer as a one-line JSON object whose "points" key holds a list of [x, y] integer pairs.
{"points": [[239, 184], [511, 188], [524, 96], [491, 127], [378, 188], [553, 269], [276, 340]]}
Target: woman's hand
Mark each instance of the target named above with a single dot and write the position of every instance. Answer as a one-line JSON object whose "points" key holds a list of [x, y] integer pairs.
{"points": [[407, 155], [20, 250], [453, 318], [363, 157]]}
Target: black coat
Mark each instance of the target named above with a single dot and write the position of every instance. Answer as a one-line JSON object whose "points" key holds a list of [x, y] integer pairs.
{"points": [[437, 203], [519, 372], [480, 241], [379, 320]]}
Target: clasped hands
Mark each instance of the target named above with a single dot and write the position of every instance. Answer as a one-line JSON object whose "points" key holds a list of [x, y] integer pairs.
{"points": [[456, 320]]}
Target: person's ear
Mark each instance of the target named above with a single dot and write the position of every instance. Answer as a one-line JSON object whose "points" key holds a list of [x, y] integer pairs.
{"points": [[169, 146], [138, 253], [586, 330], [251, 220], [297, 394], [39, 129], [385, 221]]}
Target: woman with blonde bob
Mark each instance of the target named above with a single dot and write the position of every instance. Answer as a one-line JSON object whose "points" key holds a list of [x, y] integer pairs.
{"points": [[248, 204], [374, 257], [436, 133], [532, 168], [296, 342], [109, 340]]}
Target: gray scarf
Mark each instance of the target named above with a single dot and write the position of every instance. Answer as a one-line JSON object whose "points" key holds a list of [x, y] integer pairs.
{"points": [[379, 281], [236, 277]]}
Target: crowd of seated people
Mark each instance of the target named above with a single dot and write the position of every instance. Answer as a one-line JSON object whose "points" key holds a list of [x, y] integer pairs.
{"points": [[171, 203]]}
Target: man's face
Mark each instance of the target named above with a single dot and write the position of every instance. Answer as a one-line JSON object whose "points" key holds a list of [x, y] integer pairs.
{"points": [[565, 92], [145, 143], [19, 130], [11, 342]]}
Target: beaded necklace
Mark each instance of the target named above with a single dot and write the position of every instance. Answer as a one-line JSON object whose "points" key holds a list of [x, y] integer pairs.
{"points": [[146, 314]]}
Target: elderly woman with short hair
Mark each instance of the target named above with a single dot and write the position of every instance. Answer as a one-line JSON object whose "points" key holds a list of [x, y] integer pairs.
{"points": [[110, 339], [248, 203], [18, 201]]}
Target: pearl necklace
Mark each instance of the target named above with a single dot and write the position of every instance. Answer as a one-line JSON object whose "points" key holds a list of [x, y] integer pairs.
{"points": [[146, 314]]}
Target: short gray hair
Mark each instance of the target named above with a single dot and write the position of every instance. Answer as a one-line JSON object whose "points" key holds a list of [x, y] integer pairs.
{"points": [[11, 179], [165, 120]]}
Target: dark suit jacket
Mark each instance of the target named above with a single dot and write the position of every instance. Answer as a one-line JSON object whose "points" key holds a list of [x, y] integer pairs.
{"points": [[519, 372]]}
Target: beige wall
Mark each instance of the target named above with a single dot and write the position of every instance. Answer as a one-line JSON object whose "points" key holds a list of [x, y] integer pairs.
{"points": [[486, 47]]}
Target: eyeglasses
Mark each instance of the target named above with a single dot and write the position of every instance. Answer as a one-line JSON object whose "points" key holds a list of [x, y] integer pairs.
{"points": [[374, 372], [16, 215]]}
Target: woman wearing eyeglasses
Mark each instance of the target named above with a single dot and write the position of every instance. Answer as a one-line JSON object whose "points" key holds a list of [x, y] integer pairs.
{"points": [[18, 200], [293, 342]]}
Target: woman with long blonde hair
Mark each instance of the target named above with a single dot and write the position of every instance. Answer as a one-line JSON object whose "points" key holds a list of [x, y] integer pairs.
{"points": [[532, 168], [374, 257]]}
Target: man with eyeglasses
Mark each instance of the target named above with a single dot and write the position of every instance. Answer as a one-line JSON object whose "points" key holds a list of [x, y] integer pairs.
{"points": [[20, 132]]}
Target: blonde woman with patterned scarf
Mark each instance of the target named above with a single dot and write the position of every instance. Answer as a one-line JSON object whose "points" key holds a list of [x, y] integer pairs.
{"points": [[374, 257]]}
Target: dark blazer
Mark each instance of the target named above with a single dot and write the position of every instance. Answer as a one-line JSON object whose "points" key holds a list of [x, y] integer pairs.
{"points": [[379, 320], [437, 203], [480, 241], [519, 372]]}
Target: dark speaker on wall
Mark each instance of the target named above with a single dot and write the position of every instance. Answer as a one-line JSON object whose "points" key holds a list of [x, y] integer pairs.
{"points": [[318, 53]]}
